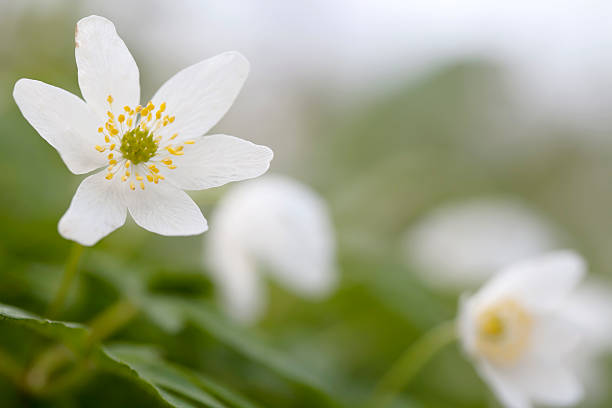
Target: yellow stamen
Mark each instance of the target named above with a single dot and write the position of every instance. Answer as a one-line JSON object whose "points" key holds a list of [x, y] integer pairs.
{"points": [[121, 118], [173, 136], [124, 178], [112, 162], [142, 185], [127, 164], [100, 130], [149, 177], [167, 161], [110, 99], [189, 142], [132, 187], [109, 176], [106, 138], [100, 148], [110, 156], [112, 147]]}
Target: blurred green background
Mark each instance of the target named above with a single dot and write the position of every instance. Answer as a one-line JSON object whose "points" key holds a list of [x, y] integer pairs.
{"points": [[381, 155]]}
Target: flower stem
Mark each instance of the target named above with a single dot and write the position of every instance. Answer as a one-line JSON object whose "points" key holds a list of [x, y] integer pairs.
{"points": [[69, 273], [411, 362], [56, 357]]}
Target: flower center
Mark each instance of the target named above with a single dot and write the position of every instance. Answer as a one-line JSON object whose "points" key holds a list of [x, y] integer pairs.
{"points": [[137, 145], [133, 138], [503, 331]]}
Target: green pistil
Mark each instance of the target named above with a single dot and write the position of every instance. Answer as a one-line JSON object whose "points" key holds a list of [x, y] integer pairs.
{"points": [[138, 145]]}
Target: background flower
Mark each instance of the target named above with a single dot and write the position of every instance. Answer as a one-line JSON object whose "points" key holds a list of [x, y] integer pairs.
{"points": [[273, 226]]}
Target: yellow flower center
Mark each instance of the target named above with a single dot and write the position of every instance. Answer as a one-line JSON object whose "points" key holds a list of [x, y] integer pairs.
{"points": [[503, 331], [131, 139]]}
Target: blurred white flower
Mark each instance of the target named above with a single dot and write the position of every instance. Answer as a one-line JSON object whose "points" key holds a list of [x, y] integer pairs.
{"points": [[519, 335], [590, 309], [276, 223], [460, 245], [159, 145]]}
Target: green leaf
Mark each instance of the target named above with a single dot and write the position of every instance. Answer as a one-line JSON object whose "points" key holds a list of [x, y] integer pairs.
{"points": [[249, 345], [176, 384], [72, 334]]}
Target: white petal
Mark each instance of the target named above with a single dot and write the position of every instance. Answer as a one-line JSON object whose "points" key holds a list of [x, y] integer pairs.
{"points": [[218, 159], [540, 283], [291, 234], [105, 66], [95, 211], [165, 210], [509, 394], [200, 95], [546, 381], [64, 121], [554, 337], [240, 287]]}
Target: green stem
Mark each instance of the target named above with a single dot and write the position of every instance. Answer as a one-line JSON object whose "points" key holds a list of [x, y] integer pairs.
{"points": [[111, 320], [411, 362], [69, 273], [54, 358]]}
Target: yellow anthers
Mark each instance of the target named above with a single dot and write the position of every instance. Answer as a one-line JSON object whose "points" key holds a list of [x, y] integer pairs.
{"points": [[127, 174], [144, 112], [109, 176], [179, 149], [176, 152], [124, 178], [127, 108], [173, 136], [127, 164], [149, 177], [189, 142], [114, 132], [132, 187], [142, 185], [160, 177], [100, 148], [150, 106], [112, 162], [112, 147], [162, 107], [121, 118], [171, 167], [171, 119], [110, 156], [149, 117], [167, 162], [158, 115], [110, 99], [100, 130], [139, 178], [153, 168], [129, 122], [110, 115], [138, 109]]}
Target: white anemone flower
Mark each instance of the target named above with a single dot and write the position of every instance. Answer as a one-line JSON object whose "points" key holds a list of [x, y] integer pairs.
{"points": [[276, 223], [476, 237], [518, 332], [150, 153]]}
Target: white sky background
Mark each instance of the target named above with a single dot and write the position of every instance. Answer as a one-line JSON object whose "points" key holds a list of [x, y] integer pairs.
{"points": [[558, 54]]}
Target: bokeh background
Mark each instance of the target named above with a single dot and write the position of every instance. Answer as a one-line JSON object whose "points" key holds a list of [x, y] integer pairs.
{"points": [[390, 110]]}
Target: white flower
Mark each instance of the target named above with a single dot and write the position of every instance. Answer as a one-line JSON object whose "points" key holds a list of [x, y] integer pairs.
{"points": [[519, 335], [278, 223], [590, 309], [151, 153], [460, 245]]}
